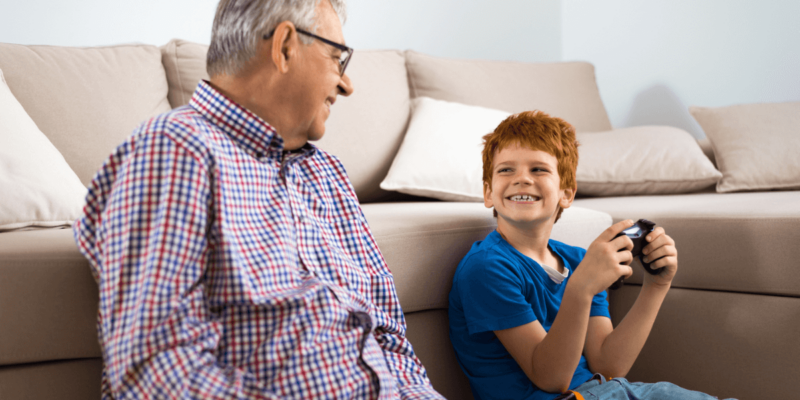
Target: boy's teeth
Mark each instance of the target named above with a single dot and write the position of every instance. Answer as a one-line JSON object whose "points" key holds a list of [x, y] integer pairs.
{"points": [[522, 198]]}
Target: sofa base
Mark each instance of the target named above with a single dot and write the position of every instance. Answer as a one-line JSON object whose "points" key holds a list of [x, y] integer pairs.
{"points": [[722, 343], [429, 332], [64, 380]]}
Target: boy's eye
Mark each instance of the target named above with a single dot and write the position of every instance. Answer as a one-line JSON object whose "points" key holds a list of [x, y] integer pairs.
{"points": [[504, 170]]}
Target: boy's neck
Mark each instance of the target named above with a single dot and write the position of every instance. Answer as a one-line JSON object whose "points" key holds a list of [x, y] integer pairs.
{"points": [[530, 240]]}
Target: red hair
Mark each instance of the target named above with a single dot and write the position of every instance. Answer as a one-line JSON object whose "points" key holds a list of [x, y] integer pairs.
{"points": [[535, 130]]}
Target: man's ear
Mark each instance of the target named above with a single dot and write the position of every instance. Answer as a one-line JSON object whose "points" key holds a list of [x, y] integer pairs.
{"points": [[567, 196], [487, 195], [284, 46]]}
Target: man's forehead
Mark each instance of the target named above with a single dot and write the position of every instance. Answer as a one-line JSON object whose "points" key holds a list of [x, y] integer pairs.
{"points": [[328, 24]]}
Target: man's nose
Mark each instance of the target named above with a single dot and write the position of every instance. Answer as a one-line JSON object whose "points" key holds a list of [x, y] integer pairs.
{"points": [[345, 86]]}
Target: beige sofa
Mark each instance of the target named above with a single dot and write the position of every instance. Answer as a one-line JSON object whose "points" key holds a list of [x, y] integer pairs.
{"points": [[729, 327]]}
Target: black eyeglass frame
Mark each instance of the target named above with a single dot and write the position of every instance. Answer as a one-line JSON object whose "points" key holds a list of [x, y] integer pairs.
{"points": [[343, 48]]}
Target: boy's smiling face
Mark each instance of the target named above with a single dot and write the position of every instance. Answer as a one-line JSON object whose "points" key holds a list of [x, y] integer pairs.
{"points": [[525, 187]]}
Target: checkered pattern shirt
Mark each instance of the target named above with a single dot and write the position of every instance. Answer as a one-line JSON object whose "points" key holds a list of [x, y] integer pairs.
{"points": [[229, 268]]}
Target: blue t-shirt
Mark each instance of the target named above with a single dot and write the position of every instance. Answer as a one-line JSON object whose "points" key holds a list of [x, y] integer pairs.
{"points": [[496, 287]]}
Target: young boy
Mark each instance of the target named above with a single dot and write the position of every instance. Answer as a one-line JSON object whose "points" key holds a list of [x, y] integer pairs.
{"points": [[528, 315]]}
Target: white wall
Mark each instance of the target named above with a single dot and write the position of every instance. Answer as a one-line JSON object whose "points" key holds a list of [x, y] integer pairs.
{"points": [[516, 30], [521, 30], [653, 59], [104, 22]]}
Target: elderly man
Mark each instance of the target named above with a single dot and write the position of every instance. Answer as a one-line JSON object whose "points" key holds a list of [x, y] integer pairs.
{"points": [[232, 257]]}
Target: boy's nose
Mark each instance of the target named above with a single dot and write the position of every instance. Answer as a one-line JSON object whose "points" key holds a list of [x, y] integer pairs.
{"points": [[523, 179]]}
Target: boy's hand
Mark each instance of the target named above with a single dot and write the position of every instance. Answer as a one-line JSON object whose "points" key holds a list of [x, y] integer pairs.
{"points": [[661, 248], [606, 260]]}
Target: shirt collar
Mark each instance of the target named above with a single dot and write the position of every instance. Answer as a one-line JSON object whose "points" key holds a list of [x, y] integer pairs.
{"points": [[249, 131]]}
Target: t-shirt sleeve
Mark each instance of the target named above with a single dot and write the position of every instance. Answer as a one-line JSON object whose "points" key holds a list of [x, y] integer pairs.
{"points": [[491, 289], [600, 305]]}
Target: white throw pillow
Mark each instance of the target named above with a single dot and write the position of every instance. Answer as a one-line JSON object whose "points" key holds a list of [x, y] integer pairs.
{"points": [[757, 146], [441, 153], [642, 160], [37, 187]]}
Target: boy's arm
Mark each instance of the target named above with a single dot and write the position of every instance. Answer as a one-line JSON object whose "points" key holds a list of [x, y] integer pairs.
{"points": [[549, 359], [612, 352]]}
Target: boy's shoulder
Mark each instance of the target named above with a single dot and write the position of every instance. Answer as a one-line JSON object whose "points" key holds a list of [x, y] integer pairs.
{"points": [[485, 254], [566, 248]]}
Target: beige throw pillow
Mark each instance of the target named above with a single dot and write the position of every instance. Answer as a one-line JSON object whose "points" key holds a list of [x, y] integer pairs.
{"points": [[37, 187], [642, 160], [757, 146]]}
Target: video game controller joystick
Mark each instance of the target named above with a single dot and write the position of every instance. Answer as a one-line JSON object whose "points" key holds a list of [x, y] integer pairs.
{"points": [[638, 232]]}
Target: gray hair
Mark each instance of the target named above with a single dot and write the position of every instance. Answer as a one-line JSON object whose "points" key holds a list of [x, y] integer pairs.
{"points": [[239, 25]]}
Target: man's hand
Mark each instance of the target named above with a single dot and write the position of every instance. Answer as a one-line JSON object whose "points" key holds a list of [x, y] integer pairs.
{"points": [[606, 260], [661, 248]]}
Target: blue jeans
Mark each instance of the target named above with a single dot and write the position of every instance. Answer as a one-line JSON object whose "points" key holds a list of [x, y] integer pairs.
{"points": [[620, 389]]}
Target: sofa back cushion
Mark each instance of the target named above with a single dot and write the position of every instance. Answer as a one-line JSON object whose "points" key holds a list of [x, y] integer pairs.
{"points": [[566, 90], [364, 130], [185, 65], [86, 100]]}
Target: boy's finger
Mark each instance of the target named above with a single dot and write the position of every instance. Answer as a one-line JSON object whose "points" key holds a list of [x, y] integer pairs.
{"points": [[660, 252], [615, 229], [627, 271], [660, 241], [664, 262], [623, 243], [657, 232]]}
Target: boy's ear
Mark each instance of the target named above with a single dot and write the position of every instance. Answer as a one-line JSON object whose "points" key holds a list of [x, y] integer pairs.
{"points": [[487, 195], [567, 196]]}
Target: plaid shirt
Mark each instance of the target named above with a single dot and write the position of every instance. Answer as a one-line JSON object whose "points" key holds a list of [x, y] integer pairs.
{"points": [[229, 268]]}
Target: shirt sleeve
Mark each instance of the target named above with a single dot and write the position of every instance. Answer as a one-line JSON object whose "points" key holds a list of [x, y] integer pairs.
{"points": [[410, 375], [144, 233], [600, 305], [491, 289]]}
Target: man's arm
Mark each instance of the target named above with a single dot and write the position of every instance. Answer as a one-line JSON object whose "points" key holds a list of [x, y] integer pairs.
{"points": [[144, 232], [612, 352], [549, 359], [408, 371]]}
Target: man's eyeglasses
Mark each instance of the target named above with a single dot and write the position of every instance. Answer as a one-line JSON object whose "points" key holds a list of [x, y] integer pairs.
{"points": [[344, 58]]}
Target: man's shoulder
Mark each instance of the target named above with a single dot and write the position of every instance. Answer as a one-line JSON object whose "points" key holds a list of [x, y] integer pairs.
{"points": [[327, 166], [183, 126]]}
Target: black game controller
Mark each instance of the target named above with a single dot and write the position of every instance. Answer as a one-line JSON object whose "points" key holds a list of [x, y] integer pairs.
{"points": [[638, 232]]}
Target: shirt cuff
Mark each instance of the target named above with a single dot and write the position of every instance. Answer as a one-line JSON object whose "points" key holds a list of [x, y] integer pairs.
{"points": [[419, 392]]}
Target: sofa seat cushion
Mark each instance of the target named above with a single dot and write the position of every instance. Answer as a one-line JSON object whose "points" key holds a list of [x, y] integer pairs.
{"points": [[742, 242], [423, 242], [48, 298]]}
